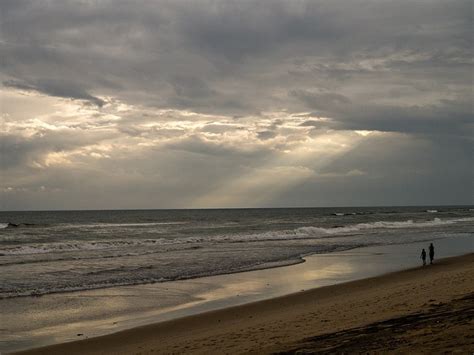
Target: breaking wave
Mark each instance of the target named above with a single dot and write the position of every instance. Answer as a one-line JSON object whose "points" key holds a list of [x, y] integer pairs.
{"points": [[383, 224], [84, 246], [310, 232]]}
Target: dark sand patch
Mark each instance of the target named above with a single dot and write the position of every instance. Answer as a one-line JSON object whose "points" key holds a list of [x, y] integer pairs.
{"points": [[445, 326]]}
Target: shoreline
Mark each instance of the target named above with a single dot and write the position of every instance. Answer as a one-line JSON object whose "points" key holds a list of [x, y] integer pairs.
{"points": [[298, 259], [251, 326], [267, 266]]}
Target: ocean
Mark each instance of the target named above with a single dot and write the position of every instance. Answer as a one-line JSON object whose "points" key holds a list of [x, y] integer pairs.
{"points": [[60, 251]]}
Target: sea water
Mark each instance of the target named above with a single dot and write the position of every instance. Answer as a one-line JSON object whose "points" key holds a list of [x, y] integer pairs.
{"points": [[59, 251]]}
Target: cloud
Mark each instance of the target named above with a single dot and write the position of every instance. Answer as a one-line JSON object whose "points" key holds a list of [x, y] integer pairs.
{"points": [[56, 88], [397, 165], [266, 134], [326, 101], [236, 57], [184, 100]]}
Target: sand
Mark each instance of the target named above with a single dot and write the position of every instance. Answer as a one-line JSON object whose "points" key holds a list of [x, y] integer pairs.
{"points": [[422, 310]]}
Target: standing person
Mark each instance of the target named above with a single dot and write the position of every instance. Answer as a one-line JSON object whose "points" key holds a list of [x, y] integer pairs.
{"points": [[423, 256], [431, 253]]}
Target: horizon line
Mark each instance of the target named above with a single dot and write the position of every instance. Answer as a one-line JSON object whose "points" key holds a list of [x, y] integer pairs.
{"points": [[232, 208]]}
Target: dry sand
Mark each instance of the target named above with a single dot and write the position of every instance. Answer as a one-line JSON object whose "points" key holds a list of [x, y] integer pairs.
{"points": [[423, 310]]}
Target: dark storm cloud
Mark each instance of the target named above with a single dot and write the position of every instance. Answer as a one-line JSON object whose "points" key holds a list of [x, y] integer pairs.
{"points": [[232, 55], [444, 117], [56, 88]]}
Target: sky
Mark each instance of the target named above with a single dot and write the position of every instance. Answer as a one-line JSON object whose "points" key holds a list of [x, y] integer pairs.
{"points": [[235, 103]]}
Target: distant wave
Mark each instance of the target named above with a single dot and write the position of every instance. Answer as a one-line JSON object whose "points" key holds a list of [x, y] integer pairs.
{"points": [[384, 224], [320, 232], [11, 225], [340, 214], [310, 232], [88, 225], [17, 225], [137, 224]]}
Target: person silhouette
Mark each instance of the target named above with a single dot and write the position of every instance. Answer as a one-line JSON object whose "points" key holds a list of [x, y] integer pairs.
{"points": [[431, 253], [423, 256]]}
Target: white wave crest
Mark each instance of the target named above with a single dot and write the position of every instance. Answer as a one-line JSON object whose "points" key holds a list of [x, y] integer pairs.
{"points": [[118, 225], [310, 232], [91, 245], [384, 224]]}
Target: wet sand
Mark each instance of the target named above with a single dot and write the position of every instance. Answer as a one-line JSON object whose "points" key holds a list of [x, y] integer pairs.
{"points": [[424, 309]]}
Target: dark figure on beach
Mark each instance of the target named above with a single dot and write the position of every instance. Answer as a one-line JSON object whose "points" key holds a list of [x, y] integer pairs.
{"points": [[431, 253], [423, 256]]}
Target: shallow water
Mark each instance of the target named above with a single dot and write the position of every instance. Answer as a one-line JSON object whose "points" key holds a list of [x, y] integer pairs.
{"points": [[49, 252]]}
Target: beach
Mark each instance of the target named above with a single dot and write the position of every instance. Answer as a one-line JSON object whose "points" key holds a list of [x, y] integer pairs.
{"points": [[69, 276], [236, 177], [422, 310]]}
